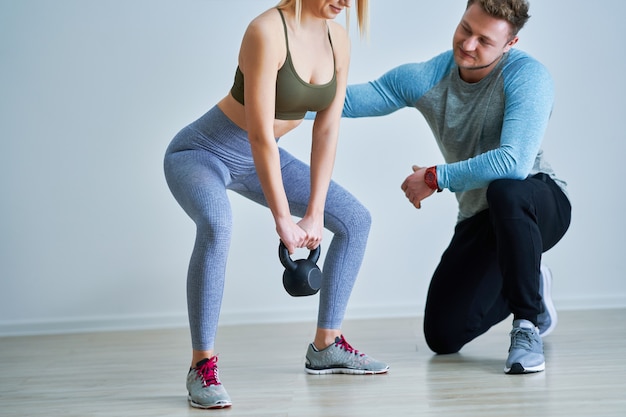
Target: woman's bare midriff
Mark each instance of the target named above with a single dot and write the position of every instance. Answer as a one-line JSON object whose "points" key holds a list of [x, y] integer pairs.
{"points": [[235, 112]]}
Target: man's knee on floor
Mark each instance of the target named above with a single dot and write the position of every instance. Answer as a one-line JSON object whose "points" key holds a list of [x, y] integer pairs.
{"points": [[441, 341]]}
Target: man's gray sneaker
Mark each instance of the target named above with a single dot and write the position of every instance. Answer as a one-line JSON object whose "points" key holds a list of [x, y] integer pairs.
{"points": [[526, 350], [341, 358], [547, 320], [204, 386]]}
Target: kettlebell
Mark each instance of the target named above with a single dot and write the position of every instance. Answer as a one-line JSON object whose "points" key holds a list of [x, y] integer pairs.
{"points": [[301, 277]]}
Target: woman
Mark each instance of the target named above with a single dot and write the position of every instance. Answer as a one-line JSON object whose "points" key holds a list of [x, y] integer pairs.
{"points": [[293, 58]]}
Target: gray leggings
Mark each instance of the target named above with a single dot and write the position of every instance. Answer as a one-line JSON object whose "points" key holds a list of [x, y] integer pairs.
{"points": [[213, 155]]}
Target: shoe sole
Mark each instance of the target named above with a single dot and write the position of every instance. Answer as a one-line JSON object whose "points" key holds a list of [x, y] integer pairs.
{"points": [[546, 276], [518, 369], [343, 371], [223, 404]]}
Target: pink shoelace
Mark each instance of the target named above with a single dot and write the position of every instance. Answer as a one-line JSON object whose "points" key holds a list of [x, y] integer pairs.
{"points": [[341, 342], [208, 372]]}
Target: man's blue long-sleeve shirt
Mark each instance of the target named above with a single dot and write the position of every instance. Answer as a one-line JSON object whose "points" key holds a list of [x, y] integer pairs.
{"points": [[486, 130]]}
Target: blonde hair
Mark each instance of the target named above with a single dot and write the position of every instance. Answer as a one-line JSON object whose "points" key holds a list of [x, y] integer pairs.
{"points": [[362, 13]]}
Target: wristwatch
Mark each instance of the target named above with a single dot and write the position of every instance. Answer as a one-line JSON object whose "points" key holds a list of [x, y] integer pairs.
{"points": [[430, 178]]}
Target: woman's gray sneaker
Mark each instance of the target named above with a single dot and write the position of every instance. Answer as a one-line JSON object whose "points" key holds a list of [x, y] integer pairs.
{"points": [[341, 358]]}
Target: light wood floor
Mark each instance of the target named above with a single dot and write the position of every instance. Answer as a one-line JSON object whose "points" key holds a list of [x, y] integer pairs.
{"points": [[126, 374]]}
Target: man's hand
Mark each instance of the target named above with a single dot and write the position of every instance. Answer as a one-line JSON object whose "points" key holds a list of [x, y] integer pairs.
{"points": [[414, 187]]}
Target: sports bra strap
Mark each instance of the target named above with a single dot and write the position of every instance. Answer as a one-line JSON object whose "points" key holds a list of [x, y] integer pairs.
{"points": [[330, 39], [284, 28]]}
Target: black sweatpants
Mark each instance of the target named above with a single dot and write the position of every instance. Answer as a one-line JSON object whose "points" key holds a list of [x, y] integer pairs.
{"points": [[491, 267]]}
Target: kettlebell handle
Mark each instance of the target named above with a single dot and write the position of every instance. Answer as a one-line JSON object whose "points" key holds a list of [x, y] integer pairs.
{"points": [[290, 264]]}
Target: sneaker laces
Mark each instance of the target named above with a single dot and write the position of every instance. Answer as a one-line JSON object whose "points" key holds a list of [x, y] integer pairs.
{"points": [[522, 338], [341, 343], [207, 370]]}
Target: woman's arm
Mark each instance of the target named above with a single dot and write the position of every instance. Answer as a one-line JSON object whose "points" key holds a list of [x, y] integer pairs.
{"points": [[325, 138], [262, 53]]}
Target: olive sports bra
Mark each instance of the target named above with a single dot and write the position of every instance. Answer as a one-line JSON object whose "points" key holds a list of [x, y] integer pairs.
{"points": [[294, 96]]}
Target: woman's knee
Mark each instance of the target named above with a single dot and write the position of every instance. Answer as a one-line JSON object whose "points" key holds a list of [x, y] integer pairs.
{"points": [[361, 218], [345, 214], [356, 220], [214, 227]]}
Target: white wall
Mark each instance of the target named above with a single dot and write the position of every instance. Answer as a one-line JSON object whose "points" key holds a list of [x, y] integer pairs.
{"points": [[91, 92]]}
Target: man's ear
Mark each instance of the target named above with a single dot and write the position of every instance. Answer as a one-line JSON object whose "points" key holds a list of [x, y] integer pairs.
{"points": [[510, 44]]}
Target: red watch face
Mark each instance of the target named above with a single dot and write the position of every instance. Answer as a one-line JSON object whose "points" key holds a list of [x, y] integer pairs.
{"points": [[429, 179]]}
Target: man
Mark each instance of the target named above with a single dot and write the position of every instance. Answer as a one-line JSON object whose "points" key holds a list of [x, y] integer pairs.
{"points": [[488, 106]]}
